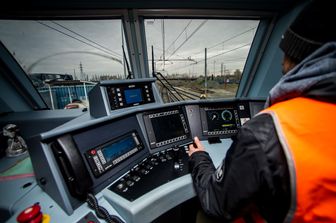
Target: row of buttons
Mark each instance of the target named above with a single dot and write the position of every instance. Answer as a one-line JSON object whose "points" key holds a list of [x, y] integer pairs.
{"points": [[133, 176], [142, 169], [170, 141], [222, 132], [101, 157], [121, 158], [166, 113], [97, 162]]}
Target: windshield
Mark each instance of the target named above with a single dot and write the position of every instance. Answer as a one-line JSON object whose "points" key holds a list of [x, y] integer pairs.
{"points": [[201, 58], [64, 59]]}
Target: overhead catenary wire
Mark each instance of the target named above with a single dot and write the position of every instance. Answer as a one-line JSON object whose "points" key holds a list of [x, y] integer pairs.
{"points": [[70, 30], [228, 51], [230, 61], [213, 46], [226, 40], [181, 57], [89, 44], [237, 48], [184, 29], [197, 28], [232, 37]]}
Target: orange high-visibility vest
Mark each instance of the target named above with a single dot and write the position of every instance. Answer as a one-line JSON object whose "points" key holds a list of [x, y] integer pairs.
{"points": [[307, 132]]}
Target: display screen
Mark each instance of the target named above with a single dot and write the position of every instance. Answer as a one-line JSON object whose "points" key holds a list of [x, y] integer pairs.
{"points": [[133, 96], [221, 120], [118, 148], [105, 157], [166, 127], [129, 94]]}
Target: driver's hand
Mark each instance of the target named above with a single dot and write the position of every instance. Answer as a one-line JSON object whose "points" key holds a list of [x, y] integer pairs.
{"points": [[196, 146]]}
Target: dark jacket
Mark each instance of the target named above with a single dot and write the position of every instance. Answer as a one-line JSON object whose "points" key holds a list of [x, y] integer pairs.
{"points": [[254, 174]]}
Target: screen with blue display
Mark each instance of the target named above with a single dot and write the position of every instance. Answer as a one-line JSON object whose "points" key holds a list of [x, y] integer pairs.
{"points": [[133, 96], [119, 148]]}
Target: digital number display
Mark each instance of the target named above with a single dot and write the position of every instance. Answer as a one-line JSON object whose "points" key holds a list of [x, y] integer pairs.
{"points": [[118, 148], [133, 96], [105, 157]]}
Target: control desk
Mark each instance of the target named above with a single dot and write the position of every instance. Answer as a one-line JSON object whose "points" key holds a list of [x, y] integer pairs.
{"points": [[133, 162]]}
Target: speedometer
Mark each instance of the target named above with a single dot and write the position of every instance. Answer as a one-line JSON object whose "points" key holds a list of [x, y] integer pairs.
{"points": [[227, 115]]}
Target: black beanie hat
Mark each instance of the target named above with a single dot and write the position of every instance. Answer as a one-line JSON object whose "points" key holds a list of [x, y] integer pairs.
{"points": [[313, 27]]}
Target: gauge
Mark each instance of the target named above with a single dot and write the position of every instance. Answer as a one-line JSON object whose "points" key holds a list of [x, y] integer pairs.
{"points": [[227, 115], [213, 116]]}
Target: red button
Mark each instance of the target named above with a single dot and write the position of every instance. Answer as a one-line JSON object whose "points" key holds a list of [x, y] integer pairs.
{"points": [[93, 152], [38, 219], [29, 214]]}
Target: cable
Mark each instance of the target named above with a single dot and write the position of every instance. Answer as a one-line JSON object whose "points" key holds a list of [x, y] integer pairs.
{"points": [[237, 48], [179, 35], [64, 27], [227, 62], [50, 27], [100, 211], [230, 38], [188, 38], [182, 57]]}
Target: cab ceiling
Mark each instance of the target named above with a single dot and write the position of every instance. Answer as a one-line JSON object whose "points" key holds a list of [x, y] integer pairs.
{"points": [[25, 7]]}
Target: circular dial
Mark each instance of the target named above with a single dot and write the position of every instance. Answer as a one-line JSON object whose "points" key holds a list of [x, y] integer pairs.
{"points": [[214, 116], [227, 115]]}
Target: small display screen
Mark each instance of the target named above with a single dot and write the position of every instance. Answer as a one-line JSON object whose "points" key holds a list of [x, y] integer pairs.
{"points": [[167, 127], [118, 148], [220, 119], [133, 96], [130, 94], [108, 155]]}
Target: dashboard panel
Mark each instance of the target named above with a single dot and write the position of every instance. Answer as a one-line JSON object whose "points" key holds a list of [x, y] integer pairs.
{"points": [[130, 155]]}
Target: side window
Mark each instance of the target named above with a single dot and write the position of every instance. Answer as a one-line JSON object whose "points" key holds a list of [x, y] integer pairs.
{"points": [[64, 59], [200, 58]]}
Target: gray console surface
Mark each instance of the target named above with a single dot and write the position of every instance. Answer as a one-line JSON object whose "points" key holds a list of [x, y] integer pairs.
{"points": [[144, 209]]}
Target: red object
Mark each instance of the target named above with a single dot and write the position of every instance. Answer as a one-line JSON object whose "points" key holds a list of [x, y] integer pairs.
{"points": [[71, 106], [31, 214], [306, 130]]}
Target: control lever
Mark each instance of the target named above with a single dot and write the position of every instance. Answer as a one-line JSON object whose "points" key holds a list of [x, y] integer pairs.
{"points": [[177, 158]]}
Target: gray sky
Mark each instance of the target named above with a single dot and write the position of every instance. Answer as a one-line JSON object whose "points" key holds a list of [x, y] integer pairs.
{"points": [[49, 47], [228, 42]]}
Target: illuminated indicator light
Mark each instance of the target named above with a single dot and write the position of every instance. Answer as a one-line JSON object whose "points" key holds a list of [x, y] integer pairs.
{"points": [[227, 125], [93, 152]]}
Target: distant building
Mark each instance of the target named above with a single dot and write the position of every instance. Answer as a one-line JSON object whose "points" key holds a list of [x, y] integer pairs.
{"points": [[40, 79]]}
